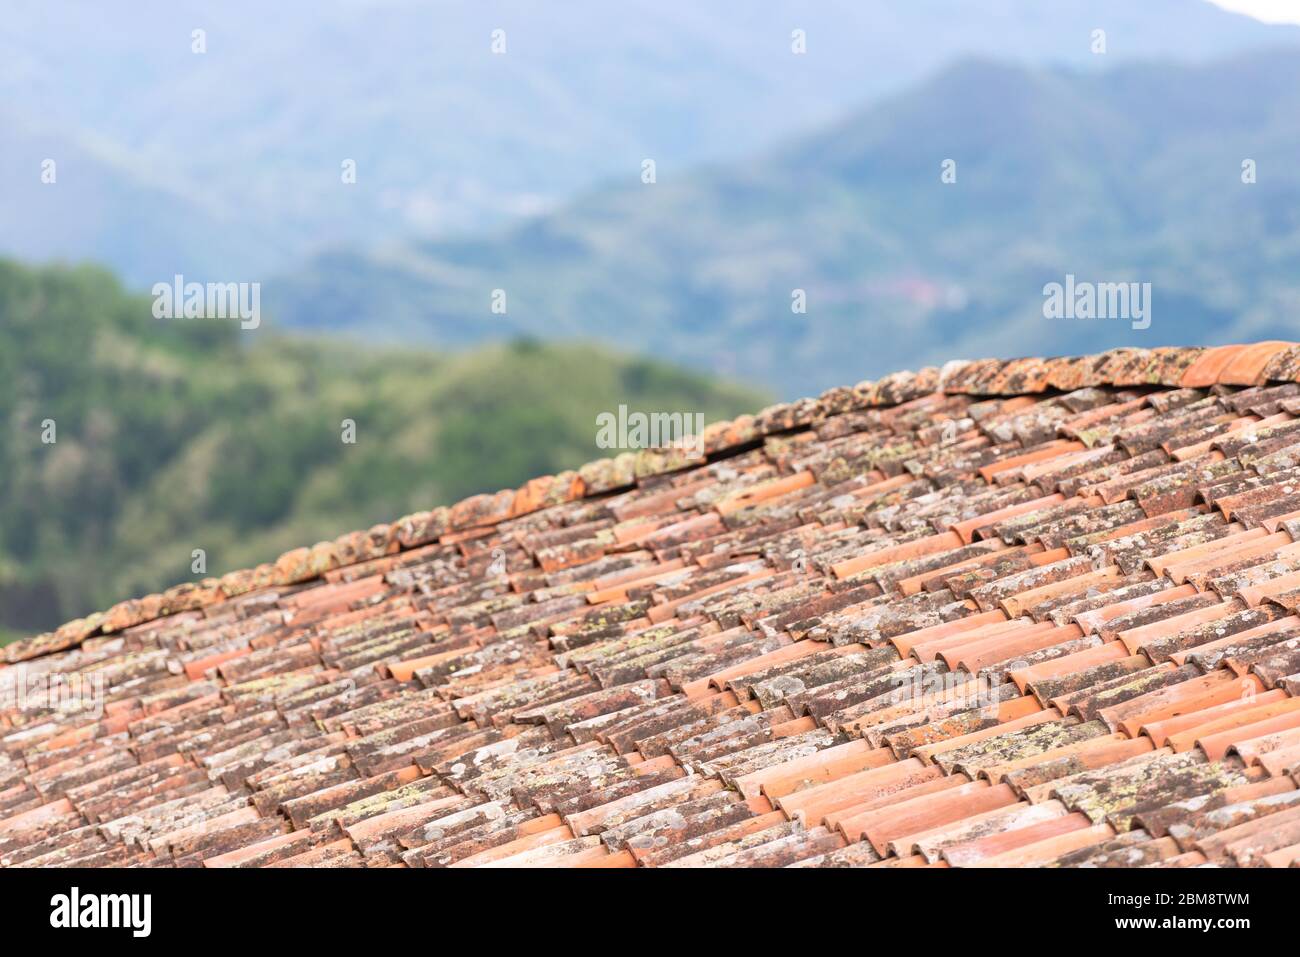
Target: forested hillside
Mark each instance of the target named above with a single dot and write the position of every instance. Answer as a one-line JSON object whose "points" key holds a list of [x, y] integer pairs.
{"points": [[172, 435]]}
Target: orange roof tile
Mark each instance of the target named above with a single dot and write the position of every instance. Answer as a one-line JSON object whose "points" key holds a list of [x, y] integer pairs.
{"points": [[1058, 631]]}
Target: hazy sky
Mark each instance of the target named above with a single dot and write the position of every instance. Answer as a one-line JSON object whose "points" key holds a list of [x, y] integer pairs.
{"points": [[1271, 11]]}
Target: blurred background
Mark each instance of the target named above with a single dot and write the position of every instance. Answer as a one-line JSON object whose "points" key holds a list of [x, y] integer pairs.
{"points": [[642, 188]]}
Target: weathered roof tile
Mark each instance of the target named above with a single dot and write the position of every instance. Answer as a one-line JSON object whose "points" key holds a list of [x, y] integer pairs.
{"points": [[949, 616]]}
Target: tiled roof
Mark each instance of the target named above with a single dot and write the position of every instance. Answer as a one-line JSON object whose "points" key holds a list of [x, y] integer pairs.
{"points": [[1026, 612]]}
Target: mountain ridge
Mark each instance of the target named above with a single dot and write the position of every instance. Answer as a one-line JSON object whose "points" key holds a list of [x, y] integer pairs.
{"points": [[1125, 175], [449, 137]]}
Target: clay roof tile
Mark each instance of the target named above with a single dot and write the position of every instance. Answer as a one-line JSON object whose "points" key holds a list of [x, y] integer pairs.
{"points": [[948, 617]]}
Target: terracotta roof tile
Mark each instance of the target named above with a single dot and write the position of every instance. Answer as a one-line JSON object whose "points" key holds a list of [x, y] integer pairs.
{"points": [[1248, 366], [1026, 612]]}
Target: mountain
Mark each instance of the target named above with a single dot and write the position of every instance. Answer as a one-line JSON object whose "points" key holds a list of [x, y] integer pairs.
{"points": [[1130, 175], [243, 144], [100, 206], [169, 436]]}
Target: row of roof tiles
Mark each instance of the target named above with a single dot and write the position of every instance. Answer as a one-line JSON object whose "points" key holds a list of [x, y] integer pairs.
{"points": [[1243, 365], [1051, 628]]}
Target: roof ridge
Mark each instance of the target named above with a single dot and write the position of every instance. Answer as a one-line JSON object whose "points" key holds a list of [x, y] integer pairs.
{"points": [[1167, 366]]}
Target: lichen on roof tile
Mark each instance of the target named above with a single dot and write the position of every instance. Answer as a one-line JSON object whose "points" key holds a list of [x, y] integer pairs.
{"points": [[1009, 593]]}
